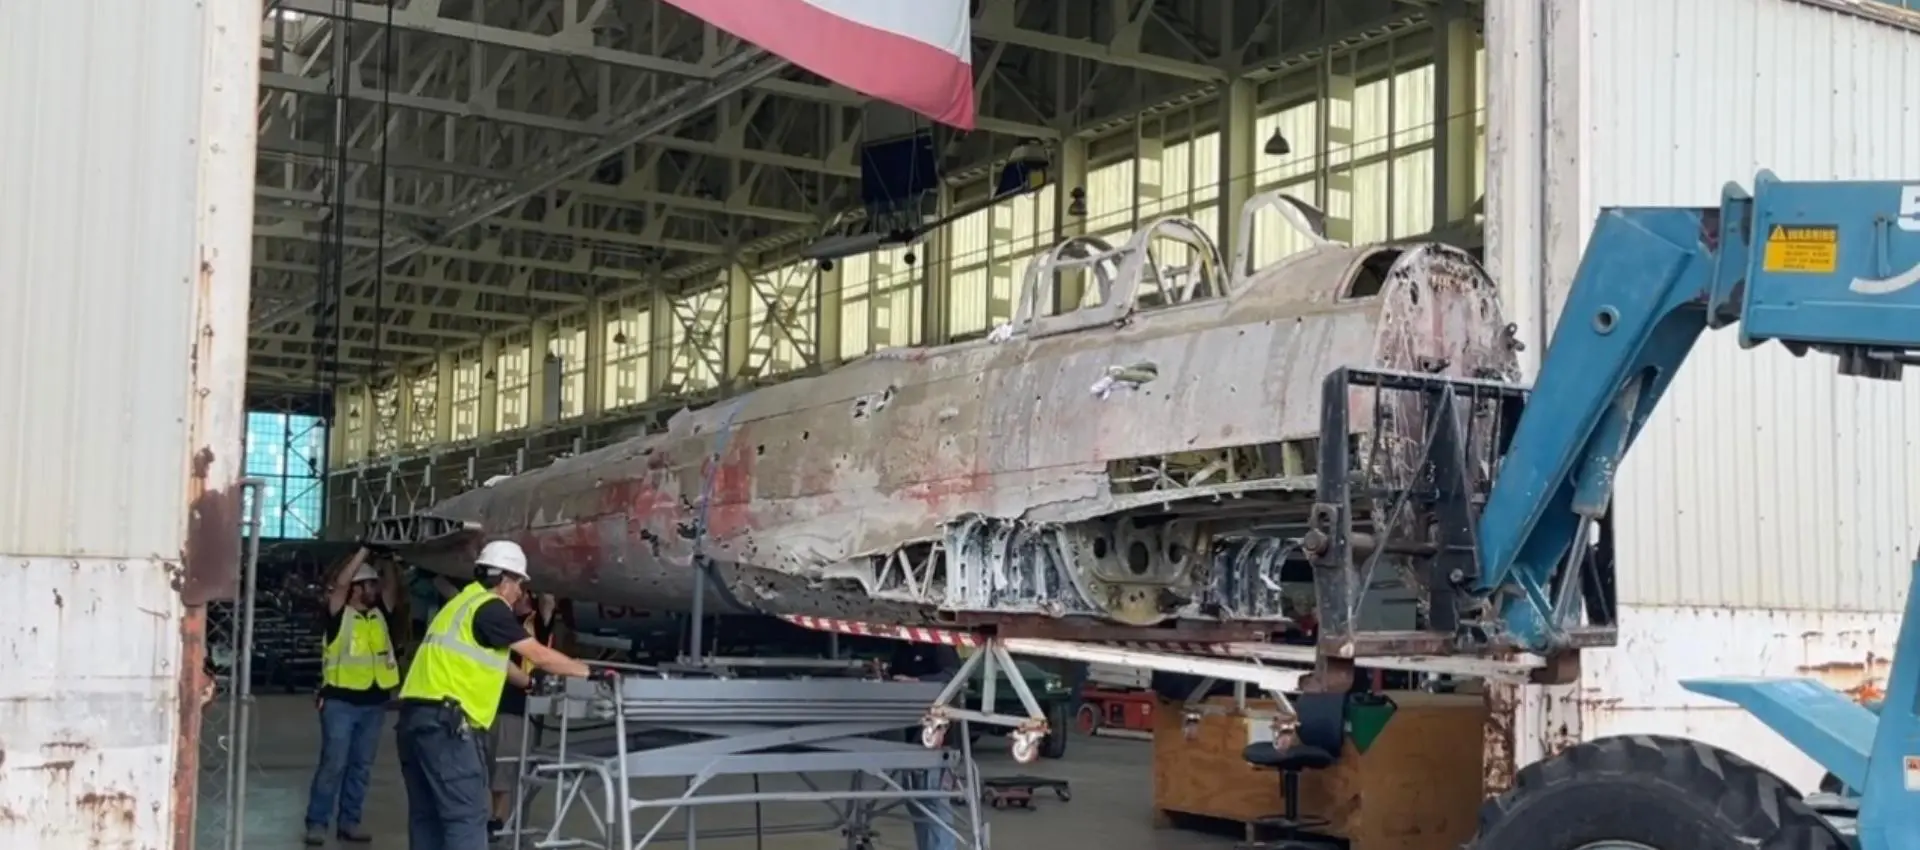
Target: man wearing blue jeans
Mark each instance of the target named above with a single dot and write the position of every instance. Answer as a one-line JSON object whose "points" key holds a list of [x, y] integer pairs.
{"points": [[358, 675], [918, 662]]}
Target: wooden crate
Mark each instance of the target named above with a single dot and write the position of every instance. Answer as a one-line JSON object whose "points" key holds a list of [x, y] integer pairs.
{"points": [[1416, 788]]}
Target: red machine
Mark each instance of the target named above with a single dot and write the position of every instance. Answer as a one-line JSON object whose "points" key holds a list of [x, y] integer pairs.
{"points": [[1116, 713]]}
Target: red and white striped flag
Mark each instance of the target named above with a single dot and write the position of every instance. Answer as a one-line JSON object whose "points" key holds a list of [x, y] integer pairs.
{"points": [[915, 53]]}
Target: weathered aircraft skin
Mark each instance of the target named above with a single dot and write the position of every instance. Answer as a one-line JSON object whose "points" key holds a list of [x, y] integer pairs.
{"points": [[1002, 476]]}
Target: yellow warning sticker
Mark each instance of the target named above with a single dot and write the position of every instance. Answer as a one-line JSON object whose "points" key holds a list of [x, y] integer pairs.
{"points": [[1809, 248]]}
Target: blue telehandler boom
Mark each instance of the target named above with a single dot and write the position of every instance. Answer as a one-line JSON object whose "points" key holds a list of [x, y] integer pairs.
{"points": [[1825, 267]]}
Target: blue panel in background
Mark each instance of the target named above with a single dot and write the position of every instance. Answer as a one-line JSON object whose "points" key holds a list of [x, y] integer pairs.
{"points": [[288, 451]]}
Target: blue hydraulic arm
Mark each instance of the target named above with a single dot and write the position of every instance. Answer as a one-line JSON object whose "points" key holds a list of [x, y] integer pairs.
{"points": [[1816, 266], [1831, 267]]}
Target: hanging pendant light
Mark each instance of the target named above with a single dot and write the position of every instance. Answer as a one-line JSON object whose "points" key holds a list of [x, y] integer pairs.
{"points": [[1277, 144]]}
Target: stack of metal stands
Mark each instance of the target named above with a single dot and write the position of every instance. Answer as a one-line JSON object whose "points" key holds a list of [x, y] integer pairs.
{"points": [[744, 740], [287, 627], [287, 639]]}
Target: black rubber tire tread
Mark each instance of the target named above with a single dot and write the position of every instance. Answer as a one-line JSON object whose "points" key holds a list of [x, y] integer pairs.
{"points": [[1054, 745], [1661, 792]]}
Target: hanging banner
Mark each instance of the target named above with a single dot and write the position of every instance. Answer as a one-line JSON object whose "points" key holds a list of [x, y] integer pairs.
{"points": [[914, 53]]}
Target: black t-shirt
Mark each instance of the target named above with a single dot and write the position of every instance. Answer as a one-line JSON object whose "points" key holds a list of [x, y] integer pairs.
{"points": [[494, 625], [513, 700], [375, 695]]}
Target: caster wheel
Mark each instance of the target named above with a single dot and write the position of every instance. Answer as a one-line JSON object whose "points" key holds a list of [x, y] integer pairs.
{"points": [[933, 735], [1064, 794], [1651, 792], [1025, 748]]}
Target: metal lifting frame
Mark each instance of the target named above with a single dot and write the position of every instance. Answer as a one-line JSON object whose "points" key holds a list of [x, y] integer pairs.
{"points": [[1277, 669], [697, 730]]}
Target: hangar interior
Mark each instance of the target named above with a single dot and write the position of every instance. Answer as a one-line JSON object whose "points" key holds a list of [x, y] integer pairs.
{"points": [[587, 226], [493, 233]]}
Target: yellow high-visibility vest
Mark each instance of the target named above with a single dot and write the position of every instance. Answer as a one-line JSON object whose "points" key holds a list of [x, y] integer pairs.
{"points": [[453, 665], [360, 656]]}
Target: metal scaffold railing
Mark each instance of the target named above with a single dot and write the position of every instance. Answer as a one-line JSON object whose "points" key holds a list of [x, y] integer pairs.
{"points": [[626, 753]]}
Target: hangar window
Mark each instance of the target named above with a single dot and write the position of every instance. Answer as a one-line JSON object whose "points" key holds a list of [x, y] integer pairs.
{"points": [[288, 451], [879, 301], [467, 372], [629, 343], [780, 319], [423, 410], [1378, 181], [991, 250], [567, 348], [512, 378], [383, 431]]}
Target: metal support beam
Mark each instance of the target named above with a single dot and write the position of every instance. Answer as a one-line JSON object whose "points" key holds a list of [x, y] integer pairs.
{"points": [[826, 316], [489, 413], [482, 110], [444, 365], [744, 67], [594, 378], [1239, 159], [1071, 167], [1336, 86], [539, 347], [996, 23], [661, 332], [738, 324], [936, 282], [1455, 43]]}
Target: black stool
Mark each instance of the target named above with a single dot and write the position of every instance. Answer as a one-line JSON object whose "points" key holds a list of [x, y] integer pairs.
{"points": [[1317, 743]]}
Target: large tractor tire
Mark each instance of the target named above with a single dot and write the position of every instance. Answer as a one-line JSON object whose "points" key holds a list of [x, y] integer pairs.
{"points": [[1650, 792]]}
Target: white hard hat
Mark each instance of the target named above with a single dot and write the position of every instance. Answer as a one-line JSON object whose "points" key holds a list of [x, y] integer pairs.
{"points": [[367, 572], [503, 555]]}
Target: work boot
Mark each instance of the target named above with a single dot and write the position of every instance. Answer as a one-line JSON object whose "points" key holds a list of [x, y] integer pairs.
{"points": [[316, 836], [353, 835]]}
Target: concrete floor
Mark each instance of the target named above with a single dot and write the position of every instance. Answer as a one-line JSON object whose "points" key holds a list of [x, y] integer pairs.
{"points": [[1111, 807]]}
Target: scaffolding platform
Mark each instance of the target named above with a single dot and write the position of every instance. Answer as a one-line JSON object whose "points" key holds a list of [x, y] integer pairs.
{"points": [[845, 739]]}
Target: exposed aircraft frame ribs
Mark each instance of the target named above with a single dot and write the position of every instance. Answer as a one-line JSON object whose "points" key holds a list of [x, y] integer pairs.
{"points": [[1093, 569], [417, 530]]}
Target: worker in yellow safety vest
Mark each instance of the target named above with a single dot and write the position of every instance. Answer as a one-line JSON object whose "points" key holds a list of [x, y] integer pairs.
{"points": [[358, 673], [451, 694]]}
